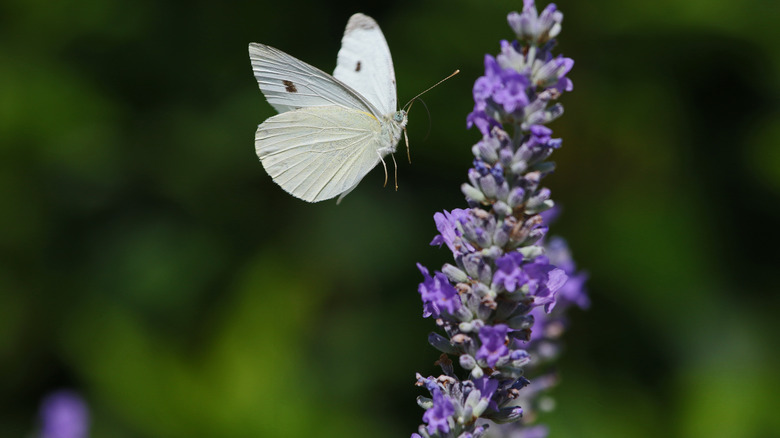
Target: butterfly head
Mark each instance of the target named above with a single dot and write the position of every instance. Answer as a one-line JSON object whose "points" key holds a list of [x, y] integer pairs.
{"points": [[400, 118]]}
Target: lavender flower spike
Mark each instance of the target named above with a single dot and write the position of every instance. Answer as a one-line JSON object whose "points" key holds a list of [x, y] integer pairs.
{"points": [[500, 305]]}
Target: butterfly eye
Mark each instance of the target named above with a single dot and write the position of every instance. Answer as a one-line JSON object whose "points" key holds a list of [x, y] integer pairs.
{"points": [[399, 116]]}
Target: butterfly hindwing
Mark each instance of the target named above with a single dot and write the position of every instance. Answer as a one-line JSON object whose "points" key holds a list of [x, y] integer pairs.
{"points": [[318, 153]]}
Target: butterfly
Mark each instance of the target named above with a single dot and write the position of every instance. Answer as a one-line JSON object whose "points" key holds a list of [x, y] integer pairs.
{"points": [[331, 130]]}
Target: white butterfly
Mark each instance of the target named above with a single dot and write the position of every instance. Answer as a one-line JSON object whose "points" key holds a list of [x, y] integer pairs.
{"points": [[330, 130]]}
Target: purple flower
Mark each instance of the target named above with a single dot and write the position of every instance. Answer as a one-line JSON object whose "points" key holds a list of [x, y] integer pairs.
{"points": [[510, 58], [449, 226], [479, 227], [485, 86], [487, 387], [505, 86], [573, 291], [467, 231], [551, 215], [64, 414], [544, 280], [487, 150], [493, 344], [437, 417], [540, 135], [536, 28], [550, 325], [512, 92], [483, 122], [437, 294], [541, 320], [510, 273], [553, 74]]}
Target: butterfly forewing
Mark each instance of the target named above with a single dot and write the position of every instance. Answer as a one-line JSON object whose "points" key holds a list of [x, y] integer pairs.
{"points": [[318, 153], [289, 83], [364, 63]]}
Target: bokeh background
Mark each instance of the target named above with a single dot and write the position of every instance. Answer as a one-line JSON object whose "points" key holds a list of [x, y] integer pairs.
{"points": [[149, 263]]}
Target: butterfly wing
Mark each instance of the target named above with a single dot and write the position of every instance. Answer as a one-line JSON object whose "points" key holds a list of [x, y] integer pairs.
{"points": [[289, 83], [319, 152], [364, 63]]}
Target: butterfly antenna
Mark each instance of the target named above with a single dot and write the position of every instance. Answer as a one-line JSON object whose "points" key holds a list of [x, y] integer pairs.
{"points": [[406, 137], [409, 104]]}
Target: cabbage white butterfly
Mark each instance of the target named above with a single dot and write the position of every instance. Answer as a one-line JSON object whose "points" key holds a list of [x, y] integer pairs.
{"points": [[330, 130]]}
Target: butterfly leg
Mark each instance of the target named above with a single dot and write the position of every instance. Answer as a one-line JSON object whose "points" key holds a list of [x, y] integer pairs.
{"points": [[395, 165], [385, 167]]}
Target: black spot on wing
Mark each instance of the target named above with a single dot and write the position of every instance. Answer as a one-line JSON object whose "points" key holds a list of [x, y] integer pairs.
{"points": [[357, 67], [289, 86]]}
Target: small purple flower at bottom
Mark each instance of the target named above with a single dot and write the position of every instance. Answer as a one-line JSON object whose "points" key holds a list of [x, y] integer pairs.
{"points": [[64, 414], [438, 416], [493, 344]]}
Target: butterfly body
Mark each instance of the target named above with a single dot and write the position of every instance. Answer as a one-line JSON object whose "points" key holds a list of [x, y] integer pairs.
{"points": [[330, 130]]}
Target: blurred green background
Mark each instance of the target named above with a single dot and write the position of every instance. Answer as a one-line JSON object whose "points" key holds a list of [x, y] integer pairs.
{"points": [[150, 263]]}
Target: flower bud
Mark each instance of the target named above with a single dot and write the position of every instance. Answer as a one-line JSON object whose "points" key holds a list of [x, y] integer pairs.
{"points": [[454, 274], [471, 193], [467, 361]]}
